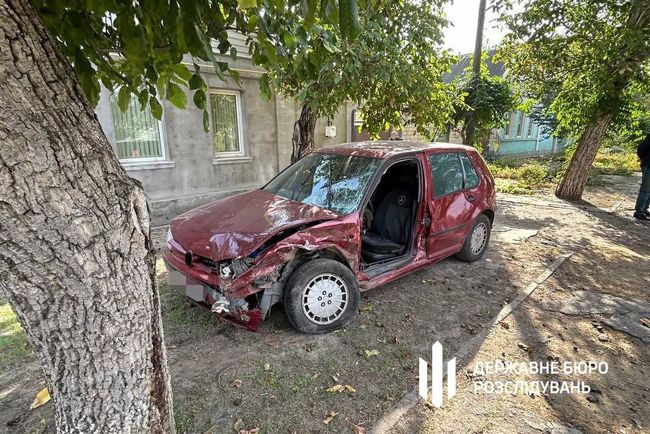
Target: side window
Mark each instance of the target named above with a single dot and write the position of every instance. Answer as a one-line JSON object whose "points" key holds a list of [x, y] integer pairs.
{"points": [[447, 173], [471, 177]]}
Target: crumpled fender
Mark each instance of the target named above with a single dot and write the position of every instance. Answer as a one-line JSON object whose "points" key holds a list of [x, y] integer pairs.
{"points": [[343, 236]]}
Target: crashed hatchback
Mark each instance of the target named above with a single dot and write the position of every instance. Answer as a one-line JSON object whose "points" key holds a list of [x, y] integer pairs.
{"points": [[342, 220]]}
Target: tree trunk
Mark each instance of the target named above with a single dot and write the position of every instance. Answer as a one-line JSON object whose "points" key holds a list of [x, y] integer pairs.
{"points": [[76, 260], [469, 129], [575, 177], [303, 134]]}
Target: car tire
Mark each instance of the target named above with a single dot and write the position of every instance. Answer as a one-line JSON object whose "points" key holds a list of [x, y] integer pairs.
{"points": [[320, 296], [477, 240]]}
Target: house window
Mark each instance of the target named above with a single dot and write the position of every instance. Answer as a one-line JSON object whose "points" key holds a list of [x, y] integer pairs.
{"points": [[520, 125], [138, 136], [508, 127], [226, 123]]}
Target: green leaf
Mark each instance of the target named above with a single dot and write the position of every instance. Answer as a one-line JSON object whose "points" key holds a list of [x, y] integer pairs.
{"points": [[143, 96], [156, 108], [123, 98], [349, 19], [195, 82], [176, 95], [199, 99], [182, 71], [312, 6], [265, 87], [206, 121], [245, 4]]}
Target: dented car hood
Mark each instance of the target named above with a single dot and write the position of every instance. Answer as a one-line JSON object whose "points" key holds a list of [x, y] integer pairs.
{"points": [[238, 225]]}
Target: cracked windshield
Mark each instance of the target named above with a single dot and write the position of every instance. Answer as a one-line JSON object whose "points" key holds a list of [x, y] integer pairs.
{"points": [[330, 181]]}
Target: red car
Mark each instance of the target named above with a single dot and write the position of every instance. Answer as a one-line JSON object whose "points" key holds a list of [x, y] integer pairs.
{"points": [[343, 219]]}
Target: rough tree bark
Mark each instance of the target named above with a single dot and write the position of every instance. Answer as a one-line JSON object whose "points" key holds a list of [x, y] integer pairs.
{"points": [[303, 134], [575, 178], [76, 259]]}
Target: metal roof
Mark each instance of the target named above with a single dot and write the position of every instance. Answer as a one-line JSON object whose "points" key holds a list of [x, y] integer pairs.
{"points": [[385, 149], [460, 68]]}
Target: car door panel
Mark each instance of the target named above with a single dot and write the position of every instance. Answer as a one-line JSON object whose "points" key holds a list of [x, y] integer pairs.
{"points": [[452, 211]]}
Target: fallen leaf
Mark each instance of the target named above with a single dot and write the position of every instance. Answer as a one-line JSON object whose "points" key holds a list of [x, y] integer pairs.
{"points": [[315, 376], [267, 366], [249, 431], [370, 353], [328, 418], [335, 388], [236, 383], [368, 308], [42, 397], [356, 429], [524, 347]]}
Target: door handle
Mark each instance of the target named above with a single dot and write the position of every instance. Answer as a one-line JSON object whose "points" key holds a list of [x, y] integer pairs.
{"points": [[471, 198]]}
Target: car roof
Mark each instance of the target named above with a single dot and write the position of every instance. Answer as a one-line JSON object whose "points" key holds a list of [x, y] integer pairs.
{"points": [[386, 149]]}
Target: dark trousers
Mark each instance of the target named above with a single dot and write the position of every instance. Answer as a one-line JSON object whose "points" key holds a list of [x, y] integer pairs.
{"points": [[643, 200]]}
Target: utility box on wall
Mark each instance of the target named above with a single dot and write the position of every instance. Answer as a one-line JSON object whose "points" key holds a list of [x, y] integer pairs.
{"points": [[330, 131]]}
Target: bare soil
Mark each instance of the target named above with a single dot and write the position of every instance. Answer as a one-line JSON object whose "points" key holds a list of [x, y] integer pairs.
{"points": [[225, 379]]}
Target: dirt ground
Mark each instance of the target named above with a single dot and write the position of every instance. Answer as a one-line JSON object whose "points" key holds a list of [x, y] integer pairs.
{"points": [[226, 379]]}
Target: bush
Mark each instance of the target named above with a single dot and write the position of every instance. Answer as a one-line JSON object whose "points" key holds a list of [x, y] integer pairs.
{"points": [[616, 163]]}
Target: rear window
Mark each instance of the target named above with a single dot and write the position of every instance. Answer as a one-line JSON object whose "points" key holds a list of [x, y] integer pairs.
{"points": [[471, 177]]}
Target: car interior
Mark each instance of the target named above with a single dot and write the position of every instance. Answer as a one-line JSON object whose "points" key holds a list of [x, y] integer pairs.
{"points": [[389, 217]]}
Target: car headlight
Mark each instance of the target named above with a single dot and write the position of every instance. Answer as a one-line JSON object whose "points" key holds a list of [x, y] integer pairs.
{"points": [[169, 236]]}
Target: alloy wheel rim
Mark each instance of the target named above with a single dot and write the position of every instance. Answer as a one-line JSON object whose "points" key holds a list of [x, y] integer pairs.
{"points": [[324, 299], [479, 238]]}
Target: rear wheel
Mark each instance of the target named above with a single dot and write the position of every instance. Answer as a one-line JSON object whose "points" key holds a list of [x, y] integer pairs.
{"points": [[477, 240], [321, 295]]}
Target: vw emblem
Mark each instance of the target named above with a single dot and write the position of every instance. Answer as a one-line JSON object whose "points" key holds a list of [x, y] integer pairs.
{"points": [[401, 199]]}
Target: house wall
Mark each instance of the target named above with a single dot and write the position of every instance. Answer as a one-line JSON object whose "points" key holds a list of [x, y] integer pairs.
{"points": [[517, 142], [190, 174]]}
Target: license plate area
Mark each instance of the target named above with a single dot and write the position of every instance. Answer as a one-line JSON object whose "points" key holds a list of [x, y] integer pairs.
{"points": [[188, 286]]}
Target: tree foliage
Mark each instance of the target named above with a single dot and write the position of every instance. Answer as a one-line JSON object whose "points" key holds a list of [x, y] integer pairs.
{"points": [[487, 99], [141, 48], [584, 54], [392, 70]]}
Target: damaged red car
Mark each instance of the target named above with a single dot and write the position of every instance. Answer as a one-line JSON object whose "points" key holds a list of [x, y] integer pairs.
{"points": [[342, 220]]}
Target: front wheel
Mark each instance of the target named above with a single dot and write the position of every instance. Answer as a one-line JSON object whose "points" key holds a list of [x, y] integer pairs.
{"points": [[477, 240], [321, 295]]}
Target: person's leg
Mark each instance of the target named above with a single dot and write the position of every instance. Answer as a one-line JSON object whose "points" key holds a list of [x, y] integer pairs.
{"points": [[643, 199]]}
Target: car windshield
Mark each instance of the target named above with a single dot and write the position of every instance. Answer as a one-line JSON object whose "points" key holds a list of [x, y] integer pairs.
{"points": [[330, 181]]}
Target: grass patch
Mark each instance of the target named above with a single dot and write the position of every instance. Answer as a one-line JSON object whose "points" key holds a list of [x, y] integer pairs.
{"points": [[525, 176], [14, 347], [616, 163]]}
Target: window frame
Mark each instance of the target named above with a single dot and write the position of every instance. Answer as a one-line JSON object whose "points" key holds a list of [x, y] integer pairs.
{"points": [[161, 132], [240, 125], [521, 125], [530, 128], [507, 129]]}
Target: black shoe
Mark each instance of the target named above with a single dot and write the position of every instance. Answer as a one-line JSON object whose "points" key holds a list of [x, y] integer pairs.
{"points": [[647, 213], [639, 215]]}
